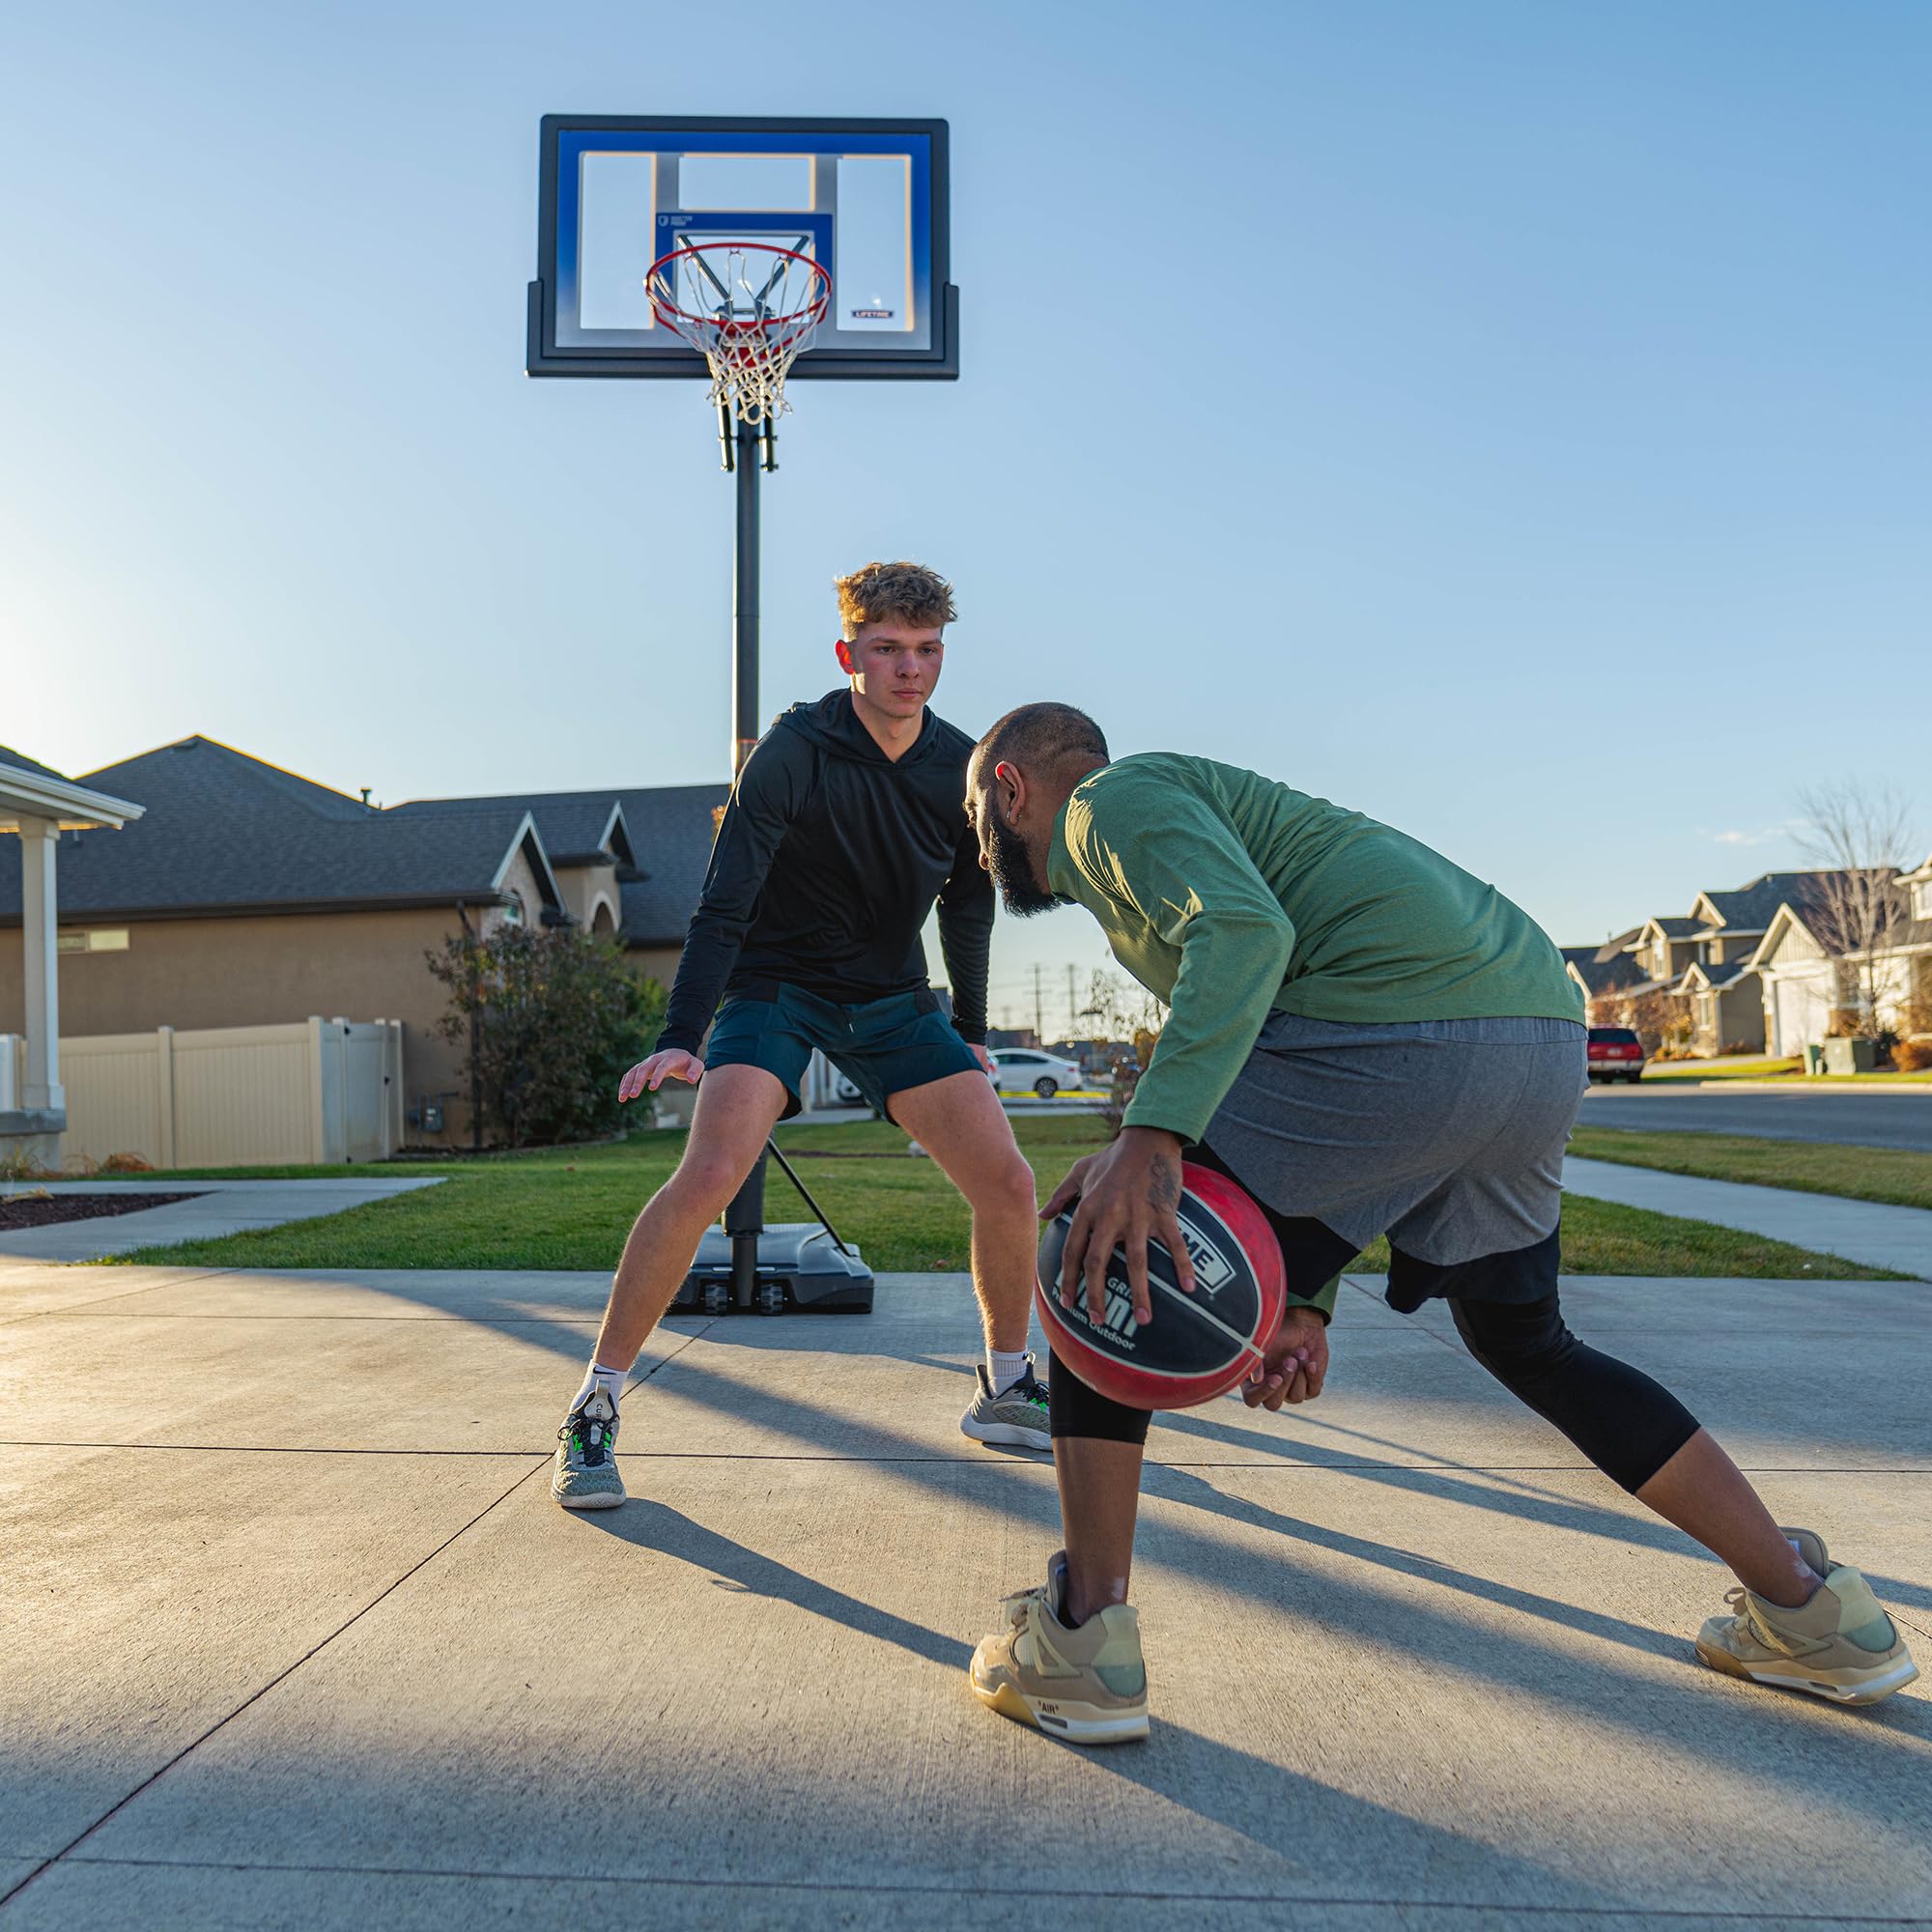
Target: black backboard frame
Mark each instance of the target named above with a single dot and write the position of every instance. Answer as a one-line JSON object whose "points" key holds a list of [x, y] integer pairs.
{"points": [[544, 358]]}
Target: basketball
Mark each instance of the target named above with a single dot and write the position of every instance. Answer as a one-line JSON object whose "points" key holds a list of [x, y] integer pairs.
{"points": [[1198, 1346]]}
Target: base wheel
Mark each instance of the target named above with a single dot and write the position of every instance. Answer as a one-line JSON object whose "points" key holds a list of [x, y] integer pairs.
{"points": [[717, 1297], [771, 1297]]}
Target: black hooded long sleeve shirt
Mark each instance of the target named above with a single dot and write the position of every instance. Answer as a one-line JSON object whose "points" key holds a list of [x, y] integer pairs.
{"points": [[828, 860]]}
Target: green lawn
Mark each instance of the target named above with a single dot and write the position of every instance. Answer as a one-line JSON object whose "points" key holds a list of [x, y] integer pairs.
{"points": [[1774, 1070], [1897, 1175], [1721, 1070], [571, 1208]]}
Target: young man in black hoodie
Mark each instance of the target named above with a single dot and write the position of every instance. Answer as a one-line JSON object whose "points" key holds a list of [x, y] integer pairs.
{"points": [[847, 826]]}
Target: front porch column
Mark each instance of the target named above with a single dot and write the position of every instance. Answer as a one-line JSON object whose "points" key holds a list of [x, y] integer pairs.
{"points": [[40, 932]]}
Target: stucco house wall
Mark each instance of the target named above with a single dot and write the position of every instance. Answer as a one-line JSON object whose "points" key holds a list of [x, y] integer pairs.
{"points": [[265, 970], [591, 895]]}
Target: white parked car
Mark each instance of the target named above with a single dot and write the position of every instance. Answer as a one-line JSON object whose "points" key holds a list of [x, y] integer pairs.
{"points": [[1025, 1070]]}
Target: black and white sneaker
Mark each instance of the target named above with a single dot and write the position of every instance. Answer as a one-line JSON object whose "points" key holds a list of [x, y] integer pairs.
{"points": [[1015, 1418], [585, 1476]]}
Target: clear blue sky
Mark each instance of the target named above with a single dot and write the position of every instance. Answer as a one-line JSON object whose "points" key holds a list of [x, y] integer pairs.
{"points": [[1565, 502]]}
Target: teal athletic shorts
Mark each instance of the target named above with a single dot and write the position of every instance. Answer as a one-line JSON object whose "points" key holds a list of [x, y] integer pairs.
{"points": [[883, 1046]]}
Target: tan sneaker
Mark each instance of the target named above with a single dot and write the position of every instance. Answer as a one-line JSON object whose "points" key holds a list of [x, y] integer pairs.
{"points": [[1087, 1685], [1840, 1645]]}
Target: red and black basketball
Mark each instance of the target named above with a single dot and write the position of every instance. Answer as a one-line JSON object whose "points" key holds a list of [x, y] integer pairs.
{"points": [[1198, 1346]]}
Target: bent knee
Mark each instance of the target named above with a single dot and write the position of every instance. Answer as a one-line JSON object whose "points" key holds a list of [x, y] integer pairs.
{"points": [[1007, 1190], [1517, 1343], [708, 1179]]}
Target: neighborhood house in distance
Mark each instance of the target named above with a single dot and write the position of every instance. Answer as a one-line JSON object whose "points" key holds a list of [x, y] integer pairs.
{"points": [[1767, 967], [239, 894]]}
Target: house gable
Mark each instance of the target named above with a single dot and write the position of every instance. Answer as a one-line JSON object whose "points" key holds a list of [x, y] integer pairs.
{"points": [[1787, 942]]}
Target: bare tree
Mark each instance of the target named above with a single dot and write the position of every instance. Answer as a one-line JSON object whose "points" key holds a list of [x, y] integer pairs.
{"points": [[1119, 1007], [1861, 833]]}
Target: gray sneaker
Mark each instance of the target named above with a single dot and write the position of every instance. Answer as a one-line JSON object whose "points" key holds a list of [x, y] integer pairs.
{"points": [[1015, 1418], [586, 1477]]}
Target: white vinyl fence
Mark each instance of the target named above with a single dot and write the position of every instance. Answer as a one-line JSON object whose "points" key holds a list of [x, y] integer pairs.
{"points": [[232, 1097]]}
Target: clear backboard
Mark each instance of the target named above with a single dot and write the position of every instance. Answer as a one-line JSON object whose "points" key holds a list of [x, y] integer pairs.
{"points": [[865, 200]]}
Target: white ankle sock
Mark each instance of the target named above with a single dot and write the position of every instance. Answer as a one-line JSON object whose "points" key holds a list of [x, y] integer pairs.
{"points": [[1003, 1370], [596, 1377]]}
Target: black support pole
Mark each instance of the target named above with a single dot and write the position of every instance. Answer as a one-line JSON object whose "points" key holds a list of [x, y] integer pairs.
{"points": [[744, 1217], [744, 605]]}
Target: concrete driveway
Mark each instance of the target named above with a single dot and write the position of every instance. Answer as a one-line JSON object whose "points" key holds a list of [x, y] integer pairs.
{"points": [[293, 1635]]}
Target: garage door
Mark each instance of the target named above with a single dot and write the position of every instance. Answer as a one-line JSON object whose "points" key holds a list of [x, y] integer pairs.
{"points": [[1802, 1013]]}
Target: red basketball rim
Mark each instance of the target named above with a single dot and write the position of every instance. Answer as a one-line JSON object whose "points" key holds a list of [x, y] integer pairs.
{"points": [[679, 321]]}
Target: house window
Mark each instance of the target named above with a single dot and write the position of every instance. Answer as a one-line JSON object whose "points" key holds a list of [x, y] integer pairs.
{"points": [[1921, 900], [102, 939], [513, 908]]}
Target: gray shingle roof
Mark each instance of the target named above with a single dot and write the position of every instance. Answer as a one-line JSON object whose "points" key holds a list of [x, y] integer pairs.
{"points": [[225, 832], [1610, 947], [1607, 975], [670, 829], [1753, 907], [1720, 977], [574, 826], [1674, 927], [26, 764]]}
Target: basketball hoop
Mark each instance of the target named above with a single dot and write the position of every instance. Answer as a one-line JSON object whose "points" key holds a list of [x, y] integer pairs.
{"points": [[748, 308]]}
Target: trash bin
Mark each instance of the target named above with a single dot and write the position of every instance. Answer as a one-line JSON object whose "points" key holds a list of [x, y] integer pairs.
{"points": [[1815, 1057], [1850, 1056]]}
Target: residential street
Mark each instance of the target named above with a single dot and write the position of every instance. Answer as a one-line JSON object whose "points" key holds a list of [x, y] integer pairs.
{"points": [[1859, 1117], [314, 1648]]}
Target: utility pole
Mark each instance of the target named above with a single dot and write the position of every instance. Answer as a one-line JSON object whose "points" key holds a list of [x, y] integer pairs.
{"points": [[1072, 1007], [1039, 1010]]}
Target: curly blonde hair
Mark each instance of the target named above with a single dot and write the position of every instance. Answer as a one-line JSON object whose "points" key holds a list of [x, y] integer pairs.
{"points": [[881, 593]]}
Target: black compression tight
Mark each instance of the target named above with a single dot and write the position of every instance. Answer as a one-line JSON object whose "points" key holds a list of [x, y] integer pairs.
{"points": [[1625, 1423]]}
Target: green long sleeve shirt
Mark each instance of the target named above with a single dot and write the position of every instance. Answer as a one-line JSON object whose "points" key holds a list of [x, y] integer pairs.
{"points": [[1230, 896]]}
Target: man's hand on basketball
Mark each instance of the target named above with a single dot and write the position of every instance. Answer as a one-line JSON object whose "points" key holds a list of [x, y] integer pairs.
{"points": [[1294, 1363], [669, 1064], [1128, 1193]]}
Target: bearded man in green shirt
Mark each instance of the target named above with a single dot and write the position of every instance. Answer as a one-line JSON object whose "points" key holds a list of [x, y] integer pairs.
{"points": [[1370, 1041]]}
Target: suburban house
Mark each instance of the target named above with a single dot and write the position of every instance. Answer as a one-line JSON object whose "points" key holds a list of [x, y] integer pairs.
{"points": [[240, 893], [1665, 947], [1751, 969], [596, 840], [37, 805], [1810, 981]]}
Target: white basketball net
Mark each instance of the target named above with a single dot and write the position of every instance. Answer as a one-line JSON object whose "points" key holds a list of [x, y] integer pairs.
{"points": [[749, 308]]}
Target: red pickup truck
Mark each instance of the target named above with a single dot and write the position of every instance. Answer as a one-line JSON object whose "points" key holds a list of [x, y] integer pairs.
{"points": [[1615, 1053]]}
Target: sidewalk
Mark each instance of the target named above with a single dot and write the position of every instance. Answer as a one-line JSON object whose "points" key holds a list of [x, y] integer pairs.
{"points": [[1872, 1231], [221, 1207], [292, 1634]]}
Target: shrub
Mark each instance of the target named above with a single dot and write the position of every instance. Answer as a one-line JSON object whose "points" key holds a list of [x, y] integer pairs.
{"points": [[127, 1163], [550, 1020], [1912, 1056]]}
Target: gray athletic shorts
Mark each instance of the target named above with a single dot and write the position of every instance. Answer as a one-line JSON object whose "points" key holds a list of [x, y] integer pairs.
{"points": [[1445, 1135]]}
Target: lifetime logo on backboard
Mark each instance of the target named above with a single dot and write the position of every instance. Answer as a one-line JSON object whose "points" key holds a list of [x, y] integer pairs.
{"points": [[873, 314]]}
